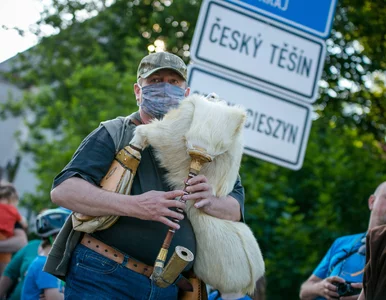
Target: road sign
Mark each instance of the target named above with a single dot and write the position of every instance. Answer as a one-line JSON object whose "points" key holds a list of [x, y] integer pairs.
{"points": [[276, 129], [314, 17], [232, 39]]}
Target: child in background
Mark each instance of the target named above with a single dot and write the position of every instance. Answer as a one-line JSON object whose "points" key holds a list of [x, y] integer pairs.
{"points": [[9, 217], [37, 283]]}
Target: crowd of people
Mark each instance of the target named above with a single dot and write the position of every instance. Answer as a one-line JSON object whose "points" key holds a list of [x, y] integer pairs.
{"points": [[22, 276], [104, 265]]}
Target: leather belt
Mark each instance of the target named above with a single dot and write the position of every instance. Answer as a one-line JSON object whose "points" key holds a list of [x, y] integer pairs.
{"points": [[109, 252], [132, 264]]}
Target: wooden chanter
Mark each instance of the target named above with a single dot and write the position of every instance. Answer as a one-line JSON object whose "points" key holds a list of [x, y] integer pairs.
{"points": [[164, 276]]}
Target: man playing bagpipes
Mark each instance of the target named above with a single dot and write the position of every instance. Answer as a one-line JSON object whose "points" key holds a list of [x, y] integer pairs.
{"points": [[116, 263]]}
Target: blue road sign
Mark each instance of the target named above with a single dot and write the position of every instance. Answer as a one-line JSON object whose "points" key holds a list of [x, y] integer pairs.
{"points": [[314, 17]]}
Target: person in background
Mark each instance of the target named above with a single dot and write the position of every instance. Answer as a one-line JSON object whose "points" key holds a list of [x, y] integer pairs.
{"points": [[11, 283], [345, 260], [16, 242], [259, 293], [37, 282], [9, 217]]}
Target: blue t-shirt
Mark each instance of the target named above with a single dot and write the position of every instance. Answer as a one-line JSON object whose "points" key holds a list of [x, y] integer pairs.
{"points": [[348, 268], [337, 262], [215, 296], [18, 266], [36, 280]]}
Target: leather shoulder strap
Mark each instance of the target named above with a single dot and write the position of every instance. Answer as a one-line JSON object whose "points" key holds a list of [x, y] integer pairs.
{"points": [[121, 130]]}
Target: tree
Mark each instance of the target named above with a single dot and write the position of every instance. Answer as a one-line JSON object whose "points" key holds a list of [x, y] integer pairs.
{"points": [[85, 74], [297, 215]]}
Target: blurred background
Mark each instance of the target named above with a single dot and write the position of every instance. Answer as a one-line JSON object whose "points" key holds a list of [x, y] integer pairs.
{"points": [[81, 68]]}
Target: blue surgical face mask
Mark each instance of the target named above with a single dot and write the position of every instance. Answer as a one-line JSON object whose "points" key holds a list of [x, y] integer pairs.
{"points": [[159, 98]]}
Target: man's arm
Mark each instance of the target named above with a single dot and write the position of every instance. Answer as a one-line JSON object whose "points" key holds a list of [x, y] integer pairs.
{"points": [[315, 286], [81, 196], [227, 208], [14, 243]]}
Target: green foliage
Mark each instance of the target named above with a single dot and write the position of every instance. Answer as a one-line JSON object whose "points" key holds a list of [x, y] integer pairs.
{"points": [[85, 74], [297, 215]]}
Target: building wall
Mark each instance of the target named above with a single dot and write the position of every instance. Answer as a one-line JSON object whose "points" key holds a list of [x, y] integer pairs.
{"points": [[24, 180]]}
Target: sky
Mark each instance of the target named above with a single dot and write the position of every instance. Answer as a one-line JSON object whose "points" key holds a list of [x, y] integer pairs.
{"points": [[17, 13]]}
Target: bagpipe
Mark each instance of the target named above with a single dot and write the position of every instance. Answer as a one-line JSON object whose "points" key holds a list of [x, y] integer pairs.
{"points": [[202, 136]]}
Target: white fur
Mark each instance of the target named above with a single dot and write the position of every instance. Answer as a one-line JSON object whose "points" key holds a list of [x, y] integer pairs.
{"points": [[228, 257]]}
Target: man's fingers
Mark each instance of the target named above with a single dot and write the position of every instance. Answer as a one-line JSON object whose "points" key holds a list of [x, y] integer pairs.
{"points": [[332, 294], [327, 294], [330, 290], [357, 285], [197, 187], [331, 287], [195, 196], [201, 203], [169, 223], [174, 194], [335, 279], [175, 203], [197, 179], [174, 215]]}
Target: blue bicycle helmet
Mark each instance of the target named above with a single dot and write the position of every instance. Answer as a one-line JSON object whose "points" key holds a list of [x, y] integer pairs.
{"points": [[50, 222]]}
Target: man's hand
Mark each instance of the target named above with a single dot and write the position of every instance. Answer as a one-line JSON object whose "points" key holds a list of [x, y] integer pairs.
{"points": [[327, 289], [155, 206], [358, 285], [201, 192], [81, 196]]}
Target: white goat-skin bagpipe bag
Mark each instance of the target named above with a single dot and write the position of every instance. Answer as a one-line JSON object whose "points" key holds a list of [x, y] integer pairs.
{"points": [[228, 256]]}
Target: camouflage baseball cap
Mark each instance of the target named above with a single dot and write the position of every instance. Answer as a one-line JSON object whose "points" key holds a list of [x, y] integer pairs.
{"points": [[161, 60]]}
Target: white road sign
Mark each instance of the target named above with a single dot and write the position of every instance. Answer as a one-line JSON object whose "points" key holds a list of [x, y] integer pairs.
{"points": [[276, 129], [250, 46]]}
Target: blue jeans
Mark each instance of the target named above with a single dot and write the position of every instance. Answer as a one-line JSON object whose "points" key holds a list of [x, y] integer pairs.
{"points": [[93, 276]]}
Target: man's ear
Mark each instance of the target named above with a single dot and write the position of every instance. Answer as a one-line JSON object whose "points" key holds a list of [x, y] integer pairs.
{"points": [[137, 92], [371, 201], [187, 92]]}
